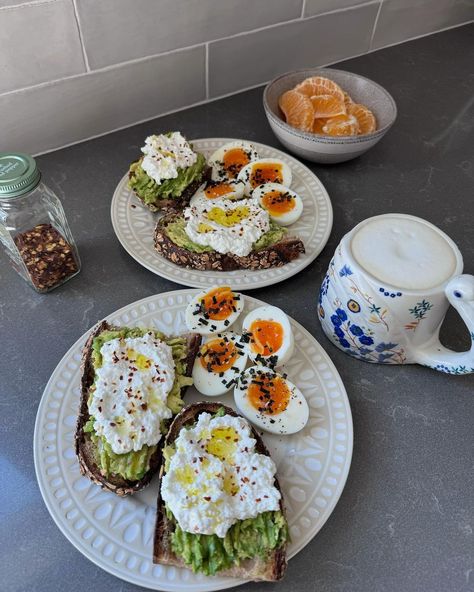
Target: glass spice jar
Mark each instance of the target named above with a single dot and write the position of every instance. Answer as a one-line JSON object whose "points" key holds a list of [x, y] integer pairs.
{"points": [[33, 227]]}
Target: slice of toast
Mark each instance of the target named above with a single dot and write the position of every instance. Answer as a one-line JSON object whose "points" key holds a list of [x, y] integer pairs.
{"points": [[85, 448], [270, 569], [175, 204], [276, 255]]}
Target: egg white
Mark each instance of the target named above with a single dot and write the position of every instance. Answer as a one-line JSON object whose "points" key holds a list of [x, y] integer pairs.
{"points": [[286, 218], [216, 159], [213, 384], [271, 313], [246, 173], [196, 321], [291, 420]]}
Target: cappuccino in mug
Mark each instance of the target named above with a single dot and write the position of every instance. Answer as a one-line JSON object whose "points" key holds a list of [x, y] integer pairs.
{"points": [[404, 252]]}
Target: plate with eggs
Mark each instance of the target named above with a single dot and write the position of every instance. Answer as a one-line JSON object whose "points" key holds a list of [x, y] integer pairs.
{"points": [[253, 358], [259, 218]]}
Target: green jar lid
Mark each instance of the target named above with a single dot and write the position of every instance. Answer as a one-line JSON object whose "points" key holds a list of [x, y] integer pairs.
{"points": [[18, 174]]}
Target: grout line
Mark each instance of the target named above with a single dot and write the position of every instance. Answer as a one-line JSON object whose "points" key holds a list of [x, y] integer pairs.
{"points": [[227, 95], [27, 4], [303, 8], [81, 37], [376, 21], [207, 70]]}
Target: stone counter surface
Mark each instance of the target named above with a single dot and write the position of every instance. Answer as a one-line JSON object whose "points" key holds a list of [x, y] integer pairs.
{"points": [[406, 517]]}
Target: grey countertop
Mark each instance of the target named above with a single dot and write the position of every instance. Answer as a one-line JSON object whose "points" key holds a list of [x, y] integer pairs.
{"points": [[406, 517]]}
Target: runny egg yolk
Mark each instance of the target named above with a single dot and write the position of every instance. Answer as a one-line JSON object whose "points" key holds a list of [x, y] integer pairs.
{"points": [[278, 202], [266, 173], [234, 160], [266, 338], [219, 303], [218, 355], [269, 394], [140, 361], [223, 442], [230, 483], [228, 217], [217, 190]]}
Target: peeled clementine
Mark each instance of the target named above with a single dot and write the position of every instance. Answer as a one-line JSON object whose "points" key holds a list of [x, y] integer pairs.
{"points": [[341, 125], [297, 109], [327, 106], [364, 116], [318, 85]]}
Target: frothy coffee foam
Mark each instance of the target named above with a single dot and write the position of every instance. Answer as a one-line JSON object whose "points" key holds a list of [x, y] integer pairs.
{"points": [[404, 253]]}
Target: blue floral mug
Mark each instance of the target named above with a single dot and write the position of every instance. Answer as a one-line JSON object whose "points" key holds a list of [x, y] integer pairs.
{"points": [[387, 291]]}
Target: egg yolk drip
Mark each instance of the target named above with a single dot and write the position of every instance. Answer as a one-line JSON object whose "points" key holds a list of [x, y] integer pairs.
{"points": [[278, 202], [266, 173], [218, 355], [234, 160], [223, 442], [228, 217], [219, 304], [266, 337], [268, 393], [217, 190]]}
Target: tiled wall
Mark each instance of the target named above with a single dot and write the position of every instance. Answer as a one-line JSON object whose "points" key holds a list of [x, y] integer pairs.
{"points": [[72, 69]]}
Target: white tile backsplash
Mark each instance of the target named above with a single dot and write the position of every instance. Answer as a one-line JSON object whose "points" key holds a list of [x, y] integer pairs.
{"points": [[38, 42], [72, 69]]}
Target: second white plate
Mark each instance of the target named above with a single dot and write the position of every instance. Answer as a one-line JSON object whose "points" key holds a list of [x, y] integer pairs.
{"points": [[134, 226]]}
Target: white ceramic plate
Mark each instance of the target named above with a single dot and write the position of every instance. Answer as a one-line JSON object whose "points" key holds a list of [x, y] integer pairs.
{"points": [[134, 227], [117, 533]]}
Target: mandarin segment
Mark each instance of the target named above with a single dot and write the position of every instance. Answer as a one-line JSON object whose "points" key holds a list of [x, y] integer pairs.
{"points": [[364, 116], [318, 126], [341, 125], [318, 85], [297, 109], [327, 106], [347, 100]]}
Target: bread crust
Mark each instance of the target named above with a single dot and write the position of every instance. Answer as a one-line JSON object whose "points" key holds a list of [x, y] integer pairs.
{"points": [[276, 255], [257, 569], [83, 443], [176, 204]]}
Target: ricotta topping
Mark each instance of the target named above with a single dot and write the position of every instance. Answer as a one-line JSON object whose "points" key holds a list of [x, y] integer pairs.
{"points": [[216, 478], [164, 155], [226, 226], [131, 389]]}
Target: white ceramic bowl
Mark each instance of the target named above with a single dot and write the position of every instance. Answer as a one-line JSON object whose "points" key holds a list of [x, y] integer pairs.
{"points": [[326, 149]]}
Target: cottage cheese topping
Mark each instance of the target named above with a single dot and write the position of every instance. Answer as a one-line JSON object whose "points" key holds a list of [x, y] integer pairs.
{"points": [[165, 155], [131, 390], [226, 226], [215, 476]]}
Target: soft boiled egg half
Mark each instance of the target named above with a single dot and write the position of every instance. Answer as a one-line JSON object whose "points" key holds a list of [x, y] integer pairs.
{"points": [[270, 336], [219, 190], [265, 170], [283, 205], [270, 401], [228, 160], [213, 310], [219, 363]]}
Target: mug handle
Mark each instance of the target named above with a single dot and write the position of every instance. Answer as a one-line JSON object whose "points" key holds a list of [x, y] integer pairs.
{"points": [[460, 293]]}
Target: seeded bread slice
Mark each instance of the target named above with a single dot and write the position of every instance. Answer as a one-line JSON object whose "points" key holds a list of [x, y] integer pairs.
{"points": [[85, 448], [176, 204], [276, 255], [271, 569]]}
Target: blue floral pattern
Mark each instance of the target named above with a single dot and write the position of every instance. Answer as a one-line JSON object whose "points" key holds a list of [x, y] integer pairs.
{"points": [[386, 292], [458, 370]]}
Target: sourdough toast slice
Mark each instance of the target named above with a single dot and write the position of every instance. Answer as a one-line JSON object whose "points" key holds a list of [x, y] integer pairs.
{"points": [[174, 204], [270, 569], [276, 255], [85, 448]]}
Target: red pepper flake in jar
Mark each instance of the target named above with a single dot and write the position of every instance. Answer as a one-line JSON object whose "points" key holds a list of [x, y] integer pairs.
{"points": [[47, 255]]}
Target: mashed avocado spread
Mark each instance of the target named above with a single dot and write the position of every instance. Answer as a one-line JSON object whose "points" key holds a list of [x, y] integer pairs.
{"points": [[209, 554], [149, 190], [134, 464], [176, 231]]}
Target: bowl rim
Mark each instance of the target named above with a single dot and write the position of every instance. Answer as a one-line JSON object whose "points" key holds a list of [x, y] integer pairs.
{"points": [[322, 137]]}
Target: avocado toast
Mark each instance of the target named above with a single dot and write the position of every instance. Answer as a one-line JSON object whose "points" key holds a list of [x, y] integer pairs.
{"points": [[127, 471], [253, 547], [273, 249], [168, 174]]}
